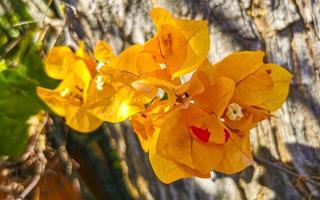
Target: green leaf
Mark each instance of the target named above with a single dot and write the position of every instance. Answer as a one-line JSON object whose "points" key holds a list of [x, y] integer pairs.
{"points": [[31, 63], [13, 137], [34, 69], [21, 71], [18, 101]]}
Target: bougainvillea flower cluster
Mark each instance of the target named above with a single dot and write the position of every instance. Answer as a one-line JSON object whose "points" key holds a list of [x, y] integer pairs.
{"points": [[188, 126]]}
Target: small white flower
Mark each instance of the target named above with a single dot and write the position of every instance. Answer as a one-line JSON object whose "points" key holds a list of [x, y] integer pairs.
{"points": [[99, 66], [234, 112], [99, 82], [163, 66]]}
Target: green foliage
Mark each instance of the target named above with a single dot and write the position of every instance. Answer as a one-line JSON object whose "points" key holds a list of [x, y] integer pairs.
{"points": [[21, 71], [13, 136], [18, 102], [32, 65], [17, 98]]}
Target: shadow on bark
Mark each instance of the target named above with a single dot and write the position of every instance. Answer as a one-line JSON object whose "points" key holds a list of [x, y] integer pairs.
{"points": [[102, 173], [275, 170], [303, 95]]}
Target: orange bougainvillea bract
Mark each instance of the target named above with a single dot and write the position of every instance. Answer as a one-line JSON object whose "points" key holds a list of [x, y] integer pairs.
{"points": [[191, 116]]}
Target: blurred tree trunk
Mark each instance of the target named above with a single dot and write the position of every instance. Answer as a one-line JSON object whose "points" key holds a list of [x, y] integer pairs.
{"points": [[286, 148]]}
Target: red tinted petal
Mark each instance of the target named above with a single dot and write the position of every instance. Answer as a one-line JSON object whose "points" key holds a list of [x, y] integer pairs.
{"points": [[202, 134], [226, 135]]}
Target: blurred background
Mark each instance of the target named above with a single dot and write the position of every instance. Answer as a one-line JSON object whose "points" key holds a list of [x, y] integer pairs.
{"points": [[50, 161]]}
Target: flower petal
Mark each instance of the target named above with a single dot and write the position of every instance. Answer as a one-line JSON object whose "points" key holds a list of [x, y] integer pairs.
{"points": [[125, 61], [190, 44], [168, 47], [84, 56], [103, 52], [198, 41], [118, 107], [177, 142], [236, 154], [281, 81], [144, 123], [53, 100], [238, 65], [58, 62], [216, 96], [160, 17], [134, 61], [80, 120], [167, 170], [254, 89]]}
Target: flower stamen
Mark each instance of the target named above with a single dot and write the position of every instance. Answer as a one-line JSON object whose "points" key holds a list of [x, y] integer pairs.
{"points": [[99, 82], [234, 112], [99, 66]]}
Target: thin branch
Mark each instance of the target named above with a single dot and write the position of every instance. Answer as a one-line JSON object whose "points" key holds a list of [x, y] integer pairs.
{"points": [[288, 171], [41, 165]]}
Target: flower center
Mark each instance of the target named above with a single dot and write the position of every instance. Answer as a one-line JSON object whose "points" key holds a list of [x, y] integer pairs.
{"points": [[234, 112], [181, 98], [99, 66], [73, 94], [163, 66], [99, 82]]}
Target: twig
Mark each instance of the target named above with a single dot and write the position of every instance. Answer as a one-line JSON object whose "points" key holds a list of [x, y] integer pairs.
{"points": [[32, 155], [41, 165], [287, 171]]}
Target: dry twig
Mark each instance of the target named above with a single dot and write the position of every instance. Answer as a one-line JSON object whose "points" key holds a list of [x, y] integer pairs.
{"points": [[309, 179]]}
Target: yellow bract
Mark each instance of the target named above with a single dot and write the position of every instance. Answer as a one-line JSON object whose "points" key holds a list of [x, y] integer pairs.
{"points": [[237, 66], [133, 60], [103, 52], [189, 123], [116, 108], [69, 99], [216, 96], [280, 80], [167, 170], [169, 48], [260, 88], [58, 62], [144, 124], [181, 45]]}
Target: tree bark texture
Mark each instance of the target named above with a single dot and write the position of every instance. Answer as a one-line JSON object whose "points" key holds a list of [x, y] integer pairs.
{"points": [[286, 147]]}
